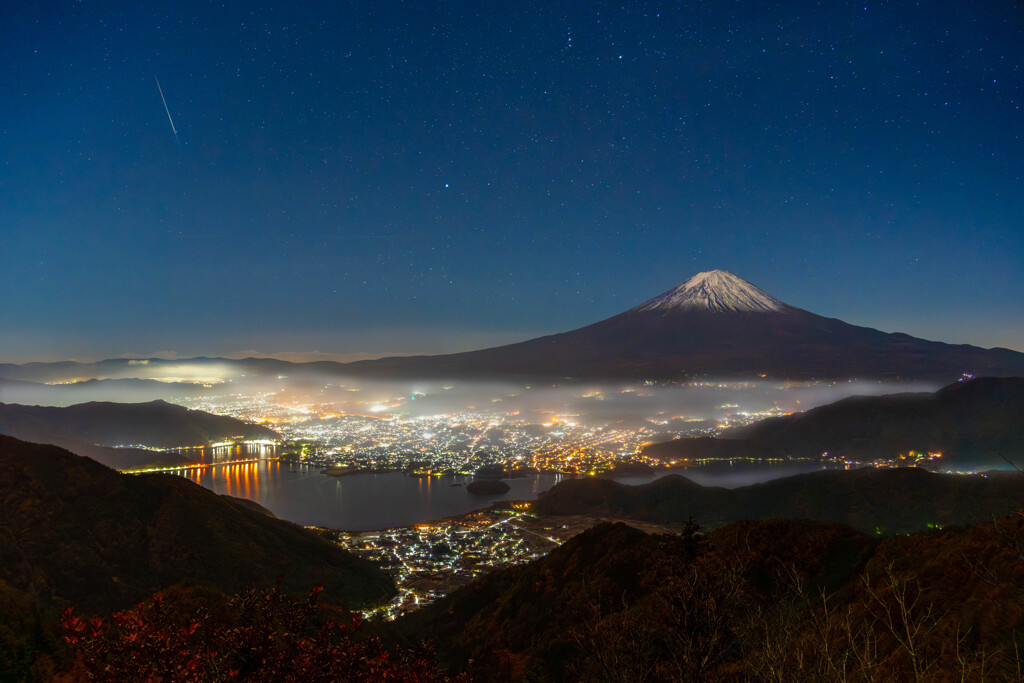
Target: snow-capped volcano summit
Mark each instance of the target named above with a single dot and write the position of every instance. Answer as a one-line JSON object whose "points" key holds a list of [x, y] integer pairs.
{"points": [[713, 325], [714, 290]]}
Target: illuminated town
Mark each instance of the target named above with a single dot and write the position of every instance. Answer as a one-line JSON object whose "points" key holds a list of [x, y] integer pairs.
{"points": [[430, 560], [377, 437]]}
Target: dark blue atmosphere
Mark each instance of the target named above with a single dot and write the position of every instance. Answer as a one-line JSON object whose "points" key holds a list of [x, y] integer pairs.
{"points": [[354, 179]]}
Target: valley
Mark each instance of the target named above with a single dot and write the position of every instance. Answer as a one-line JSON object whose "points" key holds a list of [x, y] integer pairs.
{"points": [[619, 341], [420, 493]]}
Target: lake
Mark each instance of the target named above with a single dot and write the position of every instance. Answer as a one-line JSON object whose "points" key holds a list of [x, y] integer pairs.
{"points": [[302, 495]]}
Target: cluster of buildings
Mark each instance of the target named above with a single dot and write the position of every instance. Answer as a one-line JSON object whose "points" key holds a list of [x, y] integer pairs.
{"points": [[430, 560], [458, 442]]}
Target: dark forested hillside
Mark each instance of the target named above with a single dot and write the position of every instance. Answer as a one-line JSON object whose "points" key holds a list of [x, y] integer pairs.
{"points": [[156, 423], [75, 532], [760, 601], [891, 500], [978, 422], [92, 429]]}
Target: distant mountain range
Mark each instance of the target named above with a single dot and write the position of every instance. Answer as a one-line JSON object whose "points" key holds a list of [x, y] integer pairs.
{"points": [[902, 500], [973, 423], [174, 375], [713, 325], [93, 429], [129, 390]]}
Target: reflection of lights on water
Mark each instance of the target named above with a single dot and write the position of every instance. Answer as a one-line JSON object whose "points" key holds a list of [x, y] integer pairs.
{"points": [[242, 479]]}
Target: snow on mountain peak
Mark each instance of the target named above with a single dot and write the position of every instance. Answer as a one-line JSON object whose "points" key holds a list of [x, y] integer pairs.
{"points": [[715, 290]]}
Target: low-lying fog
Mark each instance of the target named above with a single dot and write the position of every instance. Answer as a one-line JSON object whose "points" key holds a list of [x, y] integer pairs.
{"points": [[593, 404], [668, 405]]}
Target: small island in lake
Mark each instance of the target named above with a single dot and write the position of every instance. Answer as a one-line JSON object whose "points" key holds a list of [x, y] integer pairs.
{"points": [[488, 486]]}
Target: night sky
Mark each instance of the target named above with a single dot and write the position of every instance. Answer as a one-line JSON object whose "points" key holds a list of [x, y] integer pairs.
{"points": [[364, 178]]}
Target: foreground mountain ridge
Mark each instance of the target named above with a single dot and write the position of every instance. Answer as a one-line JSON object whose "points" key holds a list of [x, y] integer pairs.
{"points": [[77, 531], [612, 598], [796, 601]]}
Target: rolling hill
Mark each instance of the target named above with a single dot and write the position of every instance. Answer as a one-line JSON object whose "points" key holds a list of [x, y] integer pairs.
{"points": [[77, 533], [93, 429], [767, 600], [895, 500], [973, 423]]}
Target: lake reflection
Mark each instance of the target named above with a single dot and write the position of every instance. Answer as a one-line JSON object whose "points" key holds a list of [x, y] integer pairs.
{"points": [[299, 493], [361, 501]]}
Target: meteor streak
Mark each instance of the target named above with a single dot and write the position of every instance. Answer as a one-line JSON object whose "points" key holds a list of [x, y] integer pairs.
{"points": [[164, 100]]}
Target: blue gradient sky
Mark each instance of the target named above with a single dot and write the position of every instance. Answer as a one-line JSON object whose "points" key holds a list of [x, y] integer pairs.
{"points": [[357, 179]]}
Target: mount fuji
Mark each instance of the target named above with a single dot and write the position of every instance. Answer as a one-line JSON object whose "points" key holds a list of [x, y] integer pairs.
{"points": [[713, 325]]}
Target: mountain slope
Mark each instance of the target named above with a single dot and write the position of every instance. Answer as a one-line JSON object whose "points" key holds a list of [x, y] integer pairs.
{"points": [[537, 621], [29, 426], [75, 531], [714, 324], [715, 290], [897, 500], [978, 422], [122, 390], [157, 423], [768, 600], [92, 429]]}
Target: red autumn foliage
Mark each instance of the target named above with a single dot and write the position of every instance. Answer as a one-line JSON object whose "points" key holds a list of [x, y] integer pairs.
{"points": [[266, 637]]}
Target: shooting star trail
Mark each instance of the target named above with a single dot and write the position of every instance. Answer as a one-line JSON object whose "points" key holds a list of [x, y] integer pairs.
{"points": [[164, 100]]}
